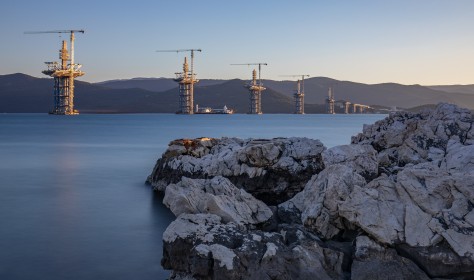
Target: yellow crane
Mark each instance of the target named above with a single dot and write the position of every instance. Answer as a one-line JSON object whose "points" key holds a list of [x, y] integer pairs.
{"points": [[259, 68], [186, 83], [72, 38], [185, 50], [63, 75], [255, 89]]}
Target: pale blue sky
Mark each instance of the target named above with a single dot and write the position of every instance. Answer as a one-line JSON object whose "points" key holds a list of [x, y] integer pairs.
{"points": [[369, 41]]}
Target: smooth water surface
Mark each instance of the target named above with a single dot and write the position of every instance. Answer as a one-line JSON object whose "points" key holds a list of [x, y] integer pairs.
{"points": [[73, 204]]}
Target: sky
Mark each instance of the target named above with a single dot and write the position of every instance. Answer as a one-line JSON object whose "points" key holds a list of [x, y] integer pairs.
{"points": [[428, 42]]}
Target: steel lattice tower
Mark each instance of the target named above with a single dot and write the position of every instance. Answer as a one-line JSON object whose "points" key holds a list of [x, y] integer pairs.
{"points": [[186, 82], [330, 102], [299, 99], [255, 89], [64, 75]]}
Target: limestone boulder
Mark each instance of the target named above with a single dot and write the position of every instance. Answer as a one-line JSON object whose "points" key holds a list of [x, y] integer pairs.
{"points": [[201, 246], [397, 203], [318, 204], [272, 170], [413, 138], [372, 261], [376, 209], [216, 196], [361, 158]]}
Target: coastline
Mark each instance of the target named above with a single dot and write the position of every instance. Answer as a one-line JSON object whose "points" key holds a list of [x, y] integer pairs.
{"points": [[357, 215]]}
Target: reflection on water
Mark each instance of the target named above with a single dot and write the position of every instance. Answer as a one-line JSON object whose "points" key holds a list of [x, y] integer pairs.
{"points": [[72, 200]]}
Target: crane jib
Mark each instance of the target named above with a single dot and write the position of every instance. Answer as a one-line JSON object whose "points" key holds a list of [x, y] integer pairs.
{"points": [[55, 31]]}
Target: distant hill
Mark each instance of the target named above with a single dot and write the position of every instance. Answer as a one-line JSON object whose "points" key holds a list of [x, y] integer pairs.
{"points": [[23, 93], [152, 84], [468, 89], [316, 89], [386, 94], [26, 94]]}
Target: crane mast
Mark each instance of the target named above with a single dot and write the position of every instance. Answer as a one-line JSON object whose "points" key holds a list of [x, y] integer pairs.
{"points": [[64, 75], [186, 80], [330, 101], [255, 88]]}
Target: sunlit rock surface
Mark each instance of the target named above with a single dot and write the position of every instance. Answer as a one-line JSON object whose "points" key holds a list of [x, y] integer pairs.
{"points": [[397, 203], [272, 170]]}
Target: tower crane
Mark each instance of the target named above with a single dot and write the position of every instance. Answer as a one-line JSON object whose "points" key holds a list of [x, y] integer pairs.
{"points": [[72, 38], [259, 69], [299, 94], [302, 79], [255, 89], [186, 82], [63, 75], [185, 50]]}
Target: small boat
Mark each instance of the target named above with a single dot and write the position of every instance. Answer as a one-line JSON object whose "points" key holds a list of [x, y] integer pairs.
{"points": [[209, 110]]}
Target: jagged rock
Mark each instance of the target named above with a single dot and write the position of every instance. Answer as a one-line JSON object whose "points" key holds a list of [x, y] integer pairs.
{"points": [[290, 211], [361, 158], [216, 196], [321, 197], [376, 209], [372, 261], [202, 246], [459, 158], [424, 206], [439, 261], [405, 138], [406, 181], [271, 170]]}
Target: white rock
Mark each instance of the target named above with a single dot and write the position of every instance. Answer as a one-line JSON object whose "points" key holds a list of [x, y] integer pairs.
{"points": [[377, 209], [417, 231], [223, 255], [460, 158], [322, 196], [216, 196], [271, 250], [187, 225], [361, 158]]}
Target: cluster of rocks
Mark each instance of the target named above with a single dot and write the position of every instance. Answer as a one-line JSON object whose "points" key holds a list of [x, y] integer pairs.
{"points": [[272, 170], [397, 203]]}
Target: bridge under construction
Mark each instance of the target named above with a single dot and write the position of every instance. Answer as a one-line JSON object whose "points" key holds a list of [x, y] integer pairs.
{"points": [[346, 106], [298, 96], [186, 81], [64, 74], [255, 87]]}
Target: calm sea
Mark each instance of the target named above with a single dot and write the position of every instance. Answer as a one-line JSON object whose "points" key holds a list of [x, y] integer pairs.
{"points": [[73, 204]]}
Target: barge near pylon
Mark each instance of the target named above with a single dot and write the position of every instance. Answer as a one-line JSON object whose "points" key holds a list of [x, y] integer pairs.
{"points": [[209, 110]]}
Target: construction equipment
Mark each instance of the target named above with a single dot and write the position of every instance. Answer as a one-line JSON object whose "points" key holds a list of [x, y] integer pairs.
{"points": [[299, 93], [63, 75], [330, 102], [255, 88], [186, 80]]}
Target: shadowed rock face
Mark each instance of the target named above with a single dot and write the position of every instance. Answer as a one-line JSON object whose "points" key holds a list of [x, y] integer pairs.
{"points": [[397, 203], [271, 170], [203, 247]]}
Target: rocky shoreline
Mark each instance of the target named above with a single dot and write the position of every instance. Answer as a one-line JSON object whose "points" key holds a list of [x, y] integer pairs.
{"points": [[397, 203]]}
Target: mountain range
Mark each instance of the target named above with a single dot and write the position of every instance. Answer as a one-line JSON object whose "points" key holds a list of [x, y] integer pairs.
{"points": [[23, 93]]}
